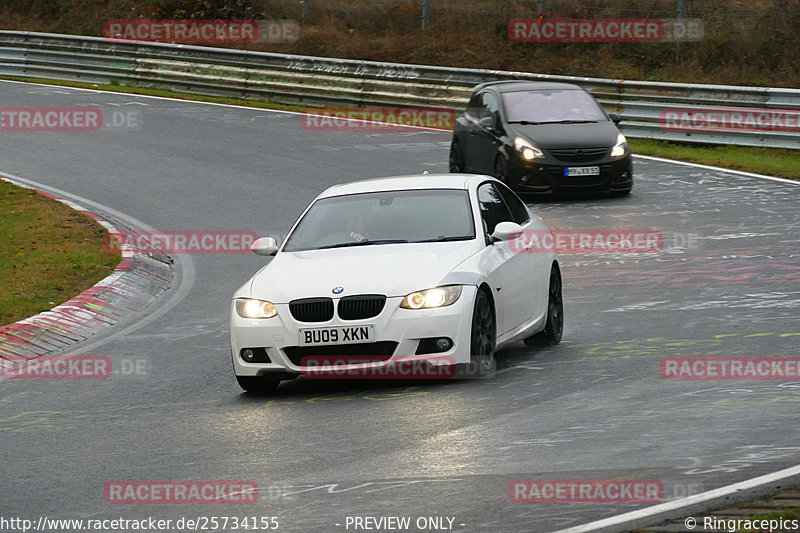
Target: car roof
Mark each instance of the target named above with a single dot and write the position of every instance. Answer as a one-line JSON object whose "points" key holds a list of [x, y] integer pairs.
{"points": [[509, 86], [408, 182]]}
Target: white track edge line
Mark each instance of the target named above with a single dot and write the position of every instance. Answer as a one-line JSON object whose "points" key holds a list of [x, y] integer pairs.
{"points": [[721, 169], [179, 99], [685, 502]]}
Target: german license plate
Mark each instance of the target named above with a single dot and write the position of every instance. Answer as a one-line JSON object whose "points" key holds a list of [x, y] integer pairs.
{"points": [[337, 335], [582, 171]]}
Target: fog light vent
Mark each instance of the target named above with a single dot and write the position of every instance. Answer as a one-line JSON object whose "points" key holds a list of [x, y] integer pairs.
{"points": [[434, 345], [254, 355]]}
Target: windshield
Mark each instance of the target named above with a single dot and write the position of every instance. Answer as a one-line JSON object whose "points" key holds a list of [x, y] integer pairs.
{"points": [[539, 107], [391, 217]]}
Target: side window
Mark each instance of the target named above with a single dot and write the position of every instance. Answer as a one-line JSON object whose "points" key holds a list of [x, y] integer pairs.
{"points": [[491, 106], [515, 205], [493, 208]]}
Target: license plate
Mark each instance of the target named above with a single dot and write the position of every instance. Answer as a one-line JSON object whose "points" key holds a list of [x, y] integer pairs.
{"points": [[337, 335], [582, 171]]}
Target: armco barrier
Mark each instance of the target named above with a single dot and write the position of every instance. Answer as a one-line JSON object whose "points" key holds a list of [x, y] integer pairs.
{"points": [[325, 81]]}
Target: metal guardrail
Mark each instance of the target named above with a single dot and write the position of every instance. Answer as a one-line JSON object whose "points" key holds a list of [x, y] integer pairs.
{"points": [[317, 81]]}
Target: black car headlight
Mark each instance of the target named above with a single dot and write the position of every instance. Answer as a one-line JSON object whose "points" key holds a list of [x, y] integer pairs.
{"points": [[527, 149], [621, 148]]}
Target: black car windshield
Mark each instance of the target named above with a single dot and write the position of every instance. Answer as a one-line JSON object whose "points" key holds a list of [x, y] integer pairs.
{"points": [[391, 217], [547, 107]]}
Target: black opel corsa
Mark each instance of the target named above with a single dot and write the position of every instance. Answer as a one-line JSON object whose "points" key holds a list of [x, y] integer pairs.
{"points": [[542, 137]]}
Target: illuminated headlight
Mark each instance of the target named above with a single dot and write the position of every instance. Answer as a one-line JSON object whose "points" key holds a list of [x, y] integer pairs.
{"points": [[438, 297], [527, 149], [247, 308], [621, 148]]}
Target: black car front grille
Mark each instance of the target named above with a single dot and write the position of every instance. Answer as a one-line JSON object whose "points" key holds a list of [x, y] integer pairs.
{"points": [[368, 351], [312, 309], [361, 306], [579, 155]]}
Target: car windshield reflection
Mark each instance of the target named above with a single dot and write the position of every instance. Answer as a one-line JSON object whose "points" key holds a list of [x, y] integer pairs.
{"points": [[551, 107], [390, 217]]}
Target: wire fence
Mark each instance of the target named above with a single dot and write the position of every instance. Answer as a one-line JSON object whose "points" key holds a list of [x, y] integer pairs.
{"points": [[758, 15]]}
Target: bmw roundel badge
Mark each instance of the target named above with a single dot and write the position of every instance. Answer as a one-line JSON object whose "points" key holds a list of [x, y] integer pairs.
{"points": [[338, 290]]}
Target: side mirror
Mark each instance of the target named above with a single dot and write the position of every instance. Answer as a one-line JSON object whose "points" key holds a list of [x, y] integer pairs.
{"points": [[487, 122], [615, 118], [505, 231], [264, 246]]}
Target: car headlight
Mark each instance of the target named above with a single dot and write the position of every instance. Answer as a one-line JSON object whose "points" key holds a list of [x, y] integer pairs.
{"points": [[249, 308], [621, 148], [429, 298], [527, 149]]}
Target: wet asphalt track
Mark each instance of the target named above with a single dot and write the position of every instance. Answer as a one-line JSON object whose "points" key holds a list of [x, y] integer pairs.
{"points": [[594, 407]]}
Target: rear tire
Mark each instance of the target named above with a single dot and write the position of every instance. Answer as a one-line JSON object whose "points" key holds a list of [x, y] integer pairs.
{"points": [[554, 327], [456, 158], [257, 384]]}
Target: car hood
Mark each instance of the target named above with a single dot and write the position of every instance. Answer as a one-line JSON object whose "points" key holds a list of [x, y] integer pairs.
{"points": [[586, 135], [390, 269]]}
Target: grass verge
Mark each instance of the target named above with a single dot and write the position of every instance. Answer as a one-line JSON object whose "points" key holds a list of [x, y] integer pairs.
{"points": [[779, 162], [745, 517], [48, 253]]}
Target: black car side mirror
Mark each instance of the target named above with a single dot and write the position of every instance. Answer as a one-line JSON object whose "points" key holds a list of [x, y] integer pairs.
{"points": [[487, 122], [615, 118]]}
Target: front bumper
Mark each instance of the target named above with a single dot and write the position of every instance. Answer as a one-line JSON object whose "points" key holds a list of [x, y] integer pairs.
{"points": [[547, 176], [398, 333]]}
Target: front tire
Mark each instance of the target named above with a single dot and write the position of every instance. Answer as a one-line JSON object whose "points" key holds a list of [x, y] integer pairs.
{"points": [[257, 384], [501, 169], [483, 336], [554, 327], [456, 158]]}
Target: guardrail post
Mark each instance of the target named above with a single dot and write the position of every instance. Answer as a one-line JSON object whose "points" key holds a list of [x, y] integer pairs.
{"points": [[426, 14], [682, 11], [542, 7], [306, 5]]}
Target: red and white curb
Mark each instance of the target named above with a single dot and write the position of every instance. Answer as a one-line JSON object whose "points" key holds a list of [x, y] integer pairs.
{"points": [[134, 284]]}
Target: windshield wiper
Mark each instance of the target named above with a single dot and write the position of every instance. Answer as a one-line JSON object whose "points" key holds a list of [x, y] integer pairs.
{"points": [[442, 238], [568, 122], [363, 243], [523, 122]]}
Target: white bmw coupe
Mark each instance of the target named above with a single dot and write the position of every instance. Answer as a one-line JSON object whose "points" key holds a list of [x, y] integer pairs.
{"points": [[411, 266]]}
